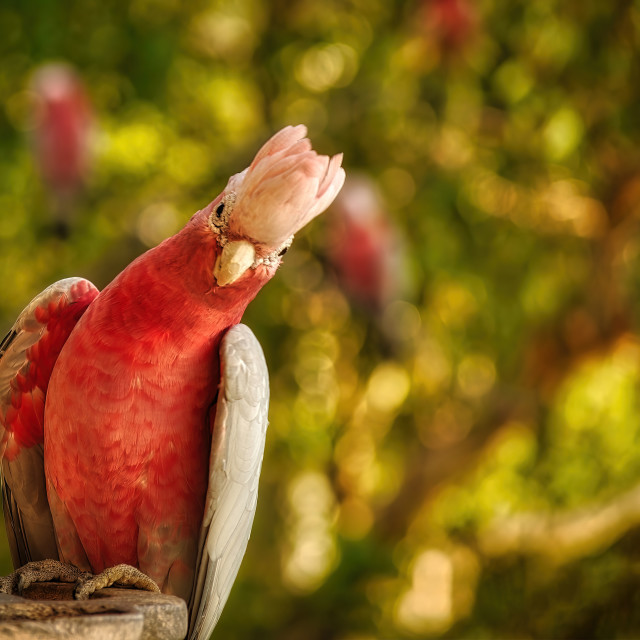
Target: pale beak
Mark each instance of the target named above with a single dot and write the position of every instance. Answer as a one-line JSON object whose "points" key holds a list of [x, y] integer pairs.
{"points": [[235, 259]]}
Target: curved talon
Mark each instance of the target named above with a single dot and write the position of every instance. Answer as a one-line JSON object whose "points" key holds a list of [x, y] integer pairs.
{"points": [[40, 571], [8, 584], [121, 575]]}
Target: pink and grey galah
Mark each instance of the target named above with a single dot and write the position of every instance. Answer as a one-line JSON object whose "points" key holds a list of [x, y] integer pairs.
{"points": [[62, 134], [133, 419]]}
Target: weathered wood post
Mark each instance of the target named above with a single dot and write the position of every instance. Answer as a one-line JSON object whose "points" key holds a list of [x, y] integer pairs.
{"points": [[48, 610]]}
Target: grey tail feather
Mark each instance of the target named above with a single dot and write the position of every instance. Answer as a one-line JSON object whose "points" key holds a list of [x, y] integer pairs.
{"points": [[20, 553]]}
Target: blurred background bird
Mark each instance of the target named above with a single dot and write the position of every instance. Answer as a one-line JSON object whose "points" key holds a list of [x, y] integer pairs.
{"points": [[367, 255], [451, 23], [364, 247], [62, 138]]}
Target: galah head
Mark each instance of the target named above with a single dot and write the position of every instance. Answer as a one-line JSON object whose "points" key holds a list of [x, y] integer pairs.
{"points": [[261, 208]]}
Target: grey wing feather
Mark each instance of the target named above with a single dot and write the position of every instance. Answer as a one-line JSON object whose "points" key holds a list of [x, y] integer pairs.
{"points": [[27, 514], [236, 458], [26, 331], [26, 509]]}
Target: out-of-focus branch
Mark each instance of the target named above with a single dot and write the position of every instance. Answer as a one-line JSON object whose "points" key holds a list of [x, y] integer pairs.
{"points": [[428, 469], [564, 537]]}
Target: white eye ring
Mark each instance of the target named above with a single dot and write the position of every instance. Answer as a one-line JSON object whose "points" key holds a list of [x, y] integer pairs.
{"points": [[219, 218], [273, 259]]}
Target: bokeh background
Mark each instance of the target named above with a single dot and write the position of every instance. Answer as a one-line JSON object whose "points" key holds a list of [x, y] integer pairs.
{"points": [[454, 348]]}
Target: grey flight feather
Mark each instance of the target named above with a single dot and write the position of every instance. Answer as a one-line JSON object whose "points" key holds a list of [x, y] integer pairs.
{"points": [[236, 458], [26, 508]]}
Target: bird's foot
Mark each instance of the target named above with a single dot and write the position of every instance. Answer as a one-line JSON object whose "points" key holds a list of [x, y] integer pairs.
{"points": [[40, 571], [86, 583], [122, 575]]}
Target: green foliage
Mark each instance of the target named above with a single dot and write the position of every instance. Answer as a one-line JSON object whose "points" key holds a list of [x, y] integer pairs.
{"points": [[502, 382]]}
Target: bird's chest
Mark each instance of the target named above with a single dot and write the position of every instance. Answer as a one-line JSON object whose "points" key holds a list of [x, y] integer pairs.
{"points": [[126, 455], [132, 415]]}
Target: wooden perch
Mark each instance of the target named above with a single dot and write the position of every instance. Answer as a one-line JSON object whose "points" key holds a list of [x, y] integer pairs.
{"points": [[564, 537], [48, 610]]}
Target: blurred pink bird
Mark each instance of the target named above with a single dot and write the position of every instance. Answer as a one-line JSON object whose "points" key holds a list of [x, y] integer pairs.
{"points": [[451, 22], [364, 246], [142, 408], [62, 135]]}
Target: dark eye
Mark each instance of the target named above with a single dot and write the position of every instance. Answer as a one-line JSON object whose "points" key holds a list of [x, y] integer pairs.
{"points": [[216, 220], [283, 251]]}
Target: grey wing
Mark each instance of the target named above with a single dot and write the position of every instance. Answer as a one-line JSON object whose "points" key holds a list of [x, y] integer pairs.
{"points": [[236, 458], [27, 356]]}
